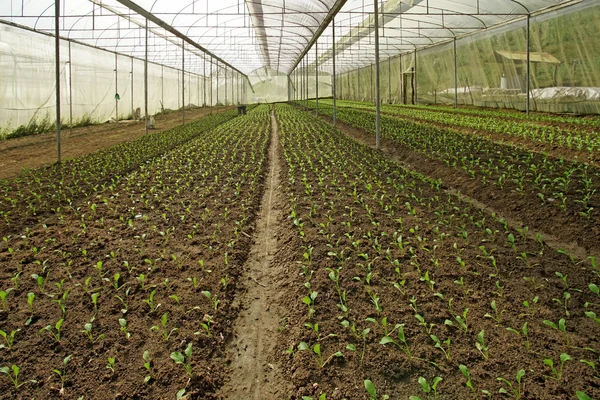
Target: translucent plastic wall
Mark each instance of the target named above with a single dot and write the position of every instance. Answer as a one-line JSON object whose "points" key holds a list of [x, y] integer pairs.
{"points": [[90, 79], [491, 67], [273, 87]]}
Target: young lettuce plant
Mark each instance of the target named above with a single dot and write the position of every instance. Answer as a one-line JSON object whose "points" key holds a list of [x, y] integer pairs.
{"points": [[147, 366], [184, 359], [56, 332], [558, 372], [465, 371], [63, 374], [438, 345], [481, 346], [9, 338], [523, 332], [402, 338], [87, 329], [317, 353], [515, 390], [372, 391], [14, 377], [150, 301], [429, 390], [561, 327], [166, 334]]}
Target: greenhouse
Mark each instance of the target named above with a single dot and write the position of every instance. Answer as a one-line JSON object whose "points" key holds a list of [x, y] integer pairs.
{"points": [[291, 199]]}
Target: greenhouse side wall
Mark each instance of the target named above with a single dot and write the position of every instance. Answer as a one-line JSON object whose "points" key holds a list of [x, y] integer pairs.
{"points": [[90, 78], [491, 67]]}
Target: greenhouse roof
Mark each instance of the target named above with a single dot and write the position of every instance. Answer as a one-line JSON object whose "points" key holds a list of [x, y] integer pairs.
{"points": [[272, 34]]}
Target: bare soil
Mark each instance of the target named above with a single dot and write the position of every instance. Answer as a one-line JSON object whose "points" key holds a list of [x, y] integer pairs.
{"points": [[255, 374], [40, 150]]}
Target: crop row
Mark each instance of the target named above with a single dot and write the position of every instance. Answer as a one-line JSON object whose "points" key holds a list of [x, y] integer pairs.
{"points": [[130, 294], [34, 194], [572, 138], [573, 188], [591, 124], [402, 284]]}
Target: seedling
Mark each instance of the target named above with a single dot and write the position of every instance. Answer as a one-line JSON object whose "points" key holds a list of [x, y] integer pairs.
{"points": [[592, 365], [40, 280], [166, 334], [14, 377], [425, 325], [592, 316], [438, 345], [429, 390], [524, 332], [63, 374], [184, 359], [481, 346], [94, 297], [9, 338], [563, 278], [316, 350], [55, 333], [461, 322], [530, 306], [564, 302], [558, 373], [147, 365], [123, 325], [213, 298], [561, 327], [497, 316], [515, 390], [87, 329], [150, 301], [425, 278], [370, 388], [465, 371], [402, 345], [30, 299], [206, 325], [582, 396], [3, 294], [111, 362], [310, 303]]}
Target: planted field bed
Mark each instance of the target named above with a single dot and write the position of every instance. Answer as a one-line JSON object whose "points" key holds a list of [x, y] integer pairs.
{"points": [[34, 195], [547, 193], [400, 288], [123, 287]]}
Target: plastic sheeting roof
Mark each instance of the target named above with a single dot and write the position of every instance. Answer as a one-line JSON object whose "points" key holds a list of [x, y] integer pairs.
{"points": [[269, 34]]}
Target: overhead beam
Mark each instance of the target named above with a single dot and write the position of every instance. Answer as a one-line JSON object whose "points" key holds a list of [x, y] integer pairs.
{"points": [[332, 13], [151, 17]]}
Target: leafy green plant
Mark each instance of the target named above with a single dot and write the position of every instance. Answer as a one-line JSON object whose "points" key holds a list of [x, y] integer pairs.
{"points": [[62, 374], [214, 299], [110, 364], [440, 345], [515, 391], [481, 346], [150, 301], [465, 371], [316, 350], [523, 332], [165, 332], [123, 325], [55, 331], [184, 359], [87, 329], [429, 390], [9, 338], [14, 377], [497, 315], [147, 366], [372, 391], [561, 327], [558, 372], [402, 343]]}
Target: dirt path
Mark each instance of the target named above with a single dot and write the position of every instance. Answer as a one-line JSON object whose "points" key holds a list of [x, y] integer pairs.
{"points": [[254, 374], [40, 150]]}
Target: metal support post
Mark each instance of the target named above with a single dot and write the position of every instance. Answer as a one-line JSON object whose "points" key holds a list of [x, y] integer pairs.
{"points": [[57, 67], [390, 80], [455, 77], [116, 87], [317, 79], [415, 80], [132, 109], [182, 83], [528, 73], [70, 87], [217, 82], [146, 78], [307, 82], [334, 87], [204, 83], [225, 73], [377, 105]]}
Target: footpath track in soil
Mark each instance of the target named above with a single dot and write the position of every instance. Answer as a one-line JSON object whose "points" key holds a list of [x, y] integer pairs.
{"points": [[255, 372]]}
